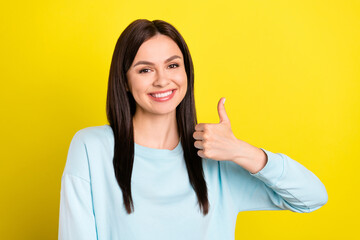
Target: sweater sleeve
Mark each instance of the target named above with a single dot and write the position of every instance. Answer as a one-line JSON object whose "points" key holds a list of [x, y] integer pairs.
{"points": [[283, 184], [76, 218]]}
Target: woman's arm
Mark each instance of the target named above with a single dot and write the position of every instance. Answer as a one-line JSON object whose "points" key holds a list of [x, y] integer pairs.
{"points": [[257, 179], [282, 183], [76, 218]]}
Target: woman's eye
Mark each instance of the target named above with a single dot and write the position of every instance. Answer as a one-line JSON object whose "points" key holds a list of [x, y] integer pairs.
{"points": [[145, 70], [174, 65]]}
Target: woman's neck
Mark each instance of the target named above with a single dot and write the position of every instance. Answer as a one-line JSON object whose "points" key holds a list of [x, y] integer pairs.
{"points": [[156, 131]]}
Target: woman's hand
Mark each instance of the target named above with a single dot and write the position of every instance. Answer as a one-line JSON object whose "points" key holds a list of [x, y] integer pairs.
{"points": [[216, 141]]}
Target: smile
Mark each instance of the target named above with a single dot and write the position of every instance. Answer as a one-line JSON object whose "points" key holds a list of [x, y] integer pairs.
{"points": [[159, 95], [164, 96]]}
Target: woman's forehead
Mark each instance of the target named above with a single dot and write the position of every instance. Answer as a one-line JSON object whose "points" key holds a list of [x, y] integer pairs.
{"points": [[158, 48]]}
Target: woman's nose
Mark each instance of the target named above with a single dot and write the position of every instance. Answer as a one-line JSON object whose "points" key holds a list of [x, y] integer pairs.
{"points": [[161, 79]]}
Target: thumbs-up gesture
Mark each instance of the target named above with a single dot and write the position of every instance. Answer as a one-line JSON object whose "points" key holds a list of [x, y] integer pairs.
{"points": [[216, 141]]}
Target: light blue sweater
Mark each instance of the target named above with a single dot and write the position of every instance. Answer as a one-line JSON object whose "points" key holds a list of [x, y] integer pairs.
{"points": [[165, 204]]}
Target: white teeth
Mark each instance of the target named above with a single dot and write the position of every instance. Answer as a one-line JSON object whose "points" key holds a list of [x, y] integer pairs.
{"points": [[160, 95]]}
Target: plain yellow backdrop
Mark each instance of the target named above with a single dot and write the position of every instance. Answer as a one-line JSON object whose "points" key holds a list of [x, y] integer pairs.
{"points": [[289, 71]]}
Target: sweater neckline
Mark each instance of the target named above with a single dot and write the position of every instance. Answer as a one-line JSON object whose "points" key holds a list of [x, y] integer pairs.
{"points": [[155, 152]]}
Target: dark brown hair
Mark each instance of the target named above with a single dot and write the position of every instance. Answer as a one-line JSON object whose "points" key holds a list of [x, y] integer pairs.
{"points": [[120, 108]]}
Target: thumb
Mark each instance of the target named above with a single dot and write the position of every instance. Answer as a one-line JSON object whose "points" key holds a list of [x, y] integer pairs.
{"points": [[221, 110]]}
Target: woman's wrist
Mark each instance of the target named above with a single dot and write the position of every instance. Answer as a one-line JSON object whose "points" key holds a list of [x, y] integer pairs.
{"points": [[249, 157]]}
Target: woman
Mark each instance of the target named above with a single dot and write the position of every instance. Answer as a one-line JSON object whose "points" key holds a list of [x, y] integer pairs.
{"points": [[154, 173]]}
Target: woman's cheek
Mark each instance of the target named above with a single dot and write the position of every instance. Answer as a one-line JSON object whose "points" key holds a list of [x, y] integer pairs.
{"points": [[180, 78]]}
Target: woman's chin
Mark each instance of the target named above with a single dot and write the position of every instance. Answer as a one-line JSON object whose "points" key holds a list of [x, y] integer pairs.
{"points": [[165, 112]]}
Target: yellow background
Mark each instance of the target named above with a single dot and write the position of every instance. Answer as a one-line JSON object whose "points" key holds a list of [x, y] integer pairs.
{"points": [[289, 71]]}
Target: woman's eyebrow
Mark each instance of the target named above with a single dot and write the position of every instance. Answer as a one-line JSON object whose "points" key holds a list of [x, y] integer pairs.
{"points": [[150, 63]]}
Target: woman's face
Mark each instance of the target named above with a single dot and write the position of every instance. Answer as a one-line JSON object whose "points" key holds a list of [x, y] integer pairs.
{"points": [[157, 77]]}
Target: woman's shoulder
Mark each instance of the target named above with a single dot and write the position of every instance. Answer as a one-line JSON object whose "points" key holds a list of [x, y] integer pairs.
{"points": [[86, 142], [94, 133]]}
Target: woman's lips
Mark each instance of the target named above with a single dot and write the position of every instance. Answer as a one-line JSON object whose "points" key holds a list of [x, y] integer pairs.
{"points": [[162, 96]]}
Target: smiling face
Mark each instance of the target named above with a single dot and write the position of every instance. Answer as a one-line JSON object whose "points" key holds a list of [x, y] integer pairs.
{"points": [[157, 78]]}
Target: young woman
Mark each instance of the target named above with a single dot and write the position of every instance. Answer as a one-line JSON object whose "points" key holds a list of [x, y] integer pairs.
{"points": [[153, 172]]}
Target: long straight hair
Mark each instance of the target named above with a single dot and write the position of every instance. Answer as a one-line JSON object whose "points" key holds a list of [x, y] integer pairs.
{"points": [[121, 106]]}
